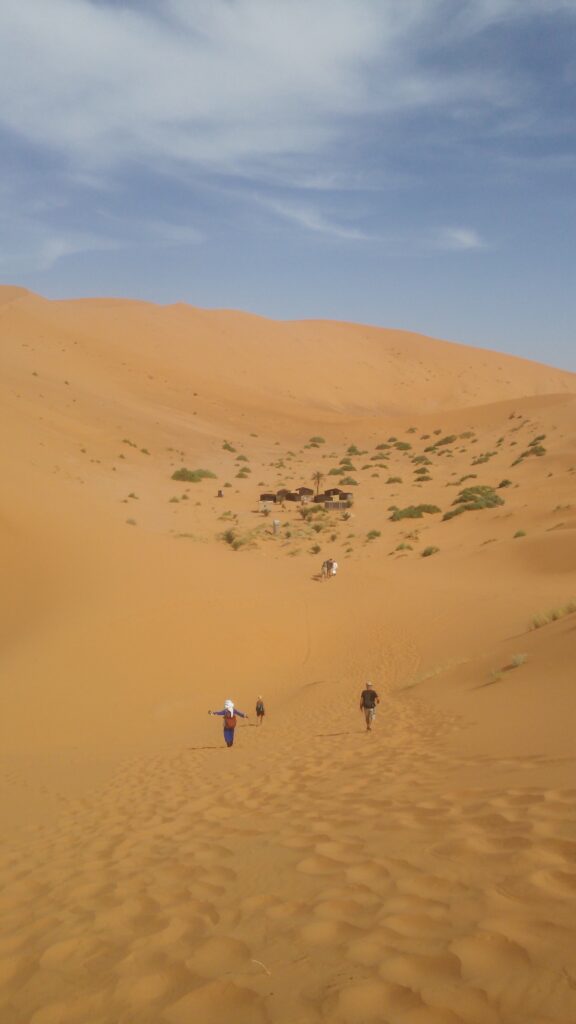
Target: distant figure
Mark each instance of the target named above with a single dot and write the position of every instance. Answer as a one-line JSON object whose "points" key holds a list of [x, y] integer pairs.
{"points": [[229, 714], [368, 701], [260, 710], [333, 567], [220, 494], [325, 572]]}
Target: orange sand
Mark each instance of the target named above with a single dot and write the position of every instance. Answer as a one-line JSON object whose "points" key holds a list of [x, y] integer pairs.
{"points": [[421, 874]]}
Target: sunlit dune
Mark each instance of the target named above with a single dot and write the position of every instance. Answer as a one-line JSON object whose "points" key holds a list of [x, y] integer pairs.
{"points": [[424, 873]]}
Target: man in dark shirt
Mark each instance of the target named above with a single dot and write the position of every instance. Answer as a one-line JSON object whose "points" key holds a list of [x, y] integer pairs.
{"points": [[368, 701]]}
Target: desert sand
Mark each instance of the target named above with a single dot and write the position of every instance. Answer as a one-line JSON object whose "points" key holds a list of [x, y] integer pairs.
{"points": [[422, 873]]}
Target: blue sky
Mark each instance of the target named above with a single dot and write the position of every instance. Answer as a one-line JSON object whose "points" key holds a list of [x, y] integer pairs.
{"points": [[406, 163]]}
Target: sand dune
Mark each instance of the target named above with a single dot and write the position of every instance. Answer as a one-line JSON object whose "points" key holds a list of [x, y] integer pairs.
{"points": [[422, 873]]}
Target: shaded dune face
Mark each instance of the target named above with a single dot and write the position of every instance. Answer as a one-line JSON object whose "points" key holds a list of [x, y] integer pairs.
{"points": [[424, 871]]}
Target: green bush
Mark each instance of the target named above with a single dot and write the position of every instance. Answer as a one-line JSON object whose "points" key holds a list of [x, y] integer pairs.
{"points": [[472, 499], [193, 476], [317, 440], [429, 551], [373, 534], [394, 480], [414, 512]]}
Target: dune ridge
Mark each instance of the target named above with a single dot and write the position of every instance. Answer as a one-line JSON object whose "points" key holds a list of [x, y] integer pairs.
{"points": [[424, 873]]}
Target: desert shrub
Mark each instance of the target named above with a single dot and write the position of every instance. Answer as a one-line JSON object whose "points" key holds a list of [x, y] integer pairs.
{"points": [[423, 479], [373, 534], [228, 447], [517, 660], [504, 483], [242, 458], [472, 499], [404, 547], [349, 481], [131, 522], [536, 449], [193, 476], [553, 615], [413, 512], [519, 533], [421, 471], [422, 460], [317, 440], [315, 549], [353, 450], [394, 480], [481, 459], [382, 447], [337, 471], [467, 434], [429, 551], [403, 446]]}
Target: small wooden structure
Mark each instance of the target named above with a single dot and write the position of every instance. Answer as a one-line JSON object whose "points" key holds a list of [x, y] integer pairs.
{"points": [[335, 504]]}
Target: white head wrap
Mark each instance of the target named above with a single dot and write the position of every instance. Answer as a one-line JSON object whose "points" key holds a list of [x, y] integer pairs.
{"points": [[229, 706]]}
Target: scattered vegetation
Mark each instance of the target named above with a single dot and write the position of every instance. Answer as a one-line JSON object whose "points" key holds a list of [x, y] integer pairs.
{"points": [[413, 512], [545, 618], [193, 476], [373, 534], [471, 499], [429, 551]]}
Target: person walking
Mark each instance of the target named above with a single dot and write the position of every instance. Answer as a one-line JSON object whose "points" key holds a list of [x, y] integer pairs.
{"points": [[368, 701], [229, 713], [260, 710], [333, 567]]}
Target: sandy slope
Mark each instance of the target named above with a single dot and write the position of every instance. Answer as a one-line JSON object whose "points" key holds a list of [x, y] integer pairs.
{"points": [[422, 873]]}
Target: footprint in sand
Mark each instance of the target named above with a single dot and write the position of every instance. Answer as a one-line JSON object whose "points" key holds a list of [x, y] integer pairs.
{"points": [[219, 955], [372, 1002], [216, 1003]]}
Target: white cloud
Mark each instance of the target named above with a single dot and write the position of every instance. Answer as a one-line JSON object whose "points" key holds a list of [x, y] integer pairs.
{"points": [[458, 239], [210, 82], [312, 219]]}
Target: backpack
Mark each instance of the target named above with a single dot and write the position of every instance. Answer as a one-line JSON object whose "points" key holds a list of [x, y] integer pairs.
{"points": [[260, 708], [229, 721], [369, 699]]}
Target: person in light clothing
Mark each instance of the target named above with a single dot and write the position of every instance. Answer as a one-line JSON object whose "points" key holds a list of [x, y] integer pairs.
{"points": [[229, 713]]}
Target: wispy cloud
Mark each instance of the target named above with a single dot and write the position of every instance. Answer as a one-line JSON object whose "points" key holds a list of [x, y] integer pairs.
{"points": [[458, 239], [220, 84], [313, 219]]}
